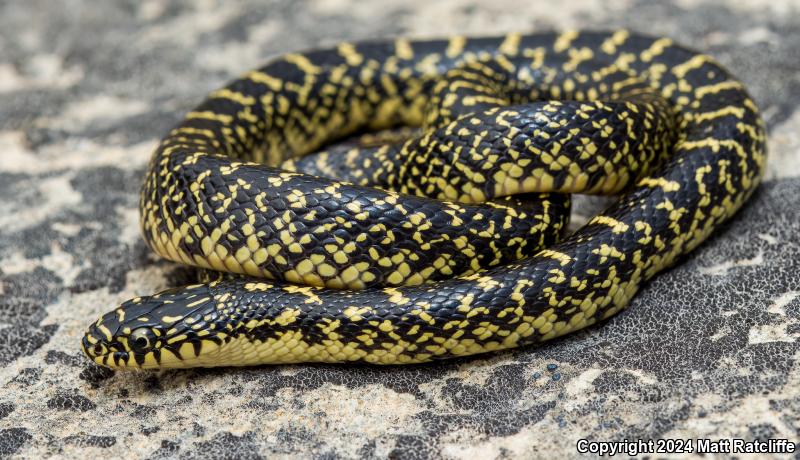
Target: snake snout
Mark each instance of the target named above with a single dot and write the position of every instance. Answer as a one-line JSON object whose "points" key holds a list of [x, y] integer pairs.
{"points": [[87, 346], [94, 344]]}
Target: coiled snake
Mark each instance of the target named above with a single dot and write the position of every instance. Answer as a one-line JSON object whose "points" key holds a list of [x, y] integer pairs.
{"points": [[444, 243]]}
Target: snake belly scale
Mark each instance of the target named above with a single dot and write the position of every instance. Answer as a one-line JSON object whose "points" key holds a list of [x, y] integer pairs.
{"points": [[445, 243]]}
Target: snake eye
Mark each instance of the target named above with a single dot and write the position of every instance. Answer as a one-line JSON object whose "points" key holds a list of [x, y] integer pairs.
{"points": [[141, 339], [99, 349]]}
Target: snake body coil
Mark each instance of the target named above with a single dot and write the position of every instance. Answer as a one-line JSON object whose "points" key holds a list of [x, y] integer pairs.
{"points": [[444, 243]]}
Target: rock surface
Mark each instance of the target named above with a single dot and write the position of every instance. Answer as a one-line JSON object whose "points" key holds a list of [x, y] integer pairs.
{"points": [[707, 350]]}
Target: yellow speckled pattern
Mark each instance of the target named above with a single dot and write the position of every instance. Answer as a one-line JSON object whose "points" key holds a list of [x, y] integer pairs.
{"points": [[441, 241]]}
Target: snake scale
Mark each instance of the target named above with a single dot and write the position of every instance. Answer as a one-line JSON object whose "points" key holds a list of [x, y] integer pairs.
{"points": [[449, 239]]}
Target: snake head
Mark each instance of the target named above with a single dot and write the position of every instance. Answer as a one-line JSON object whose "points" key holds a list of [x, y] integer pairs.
{"points": [[155, 331]]}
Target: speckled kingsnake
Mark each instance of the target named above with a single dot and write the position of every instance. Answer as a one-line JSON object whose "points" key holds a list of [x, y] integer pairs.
{"points": [[473, 267]]}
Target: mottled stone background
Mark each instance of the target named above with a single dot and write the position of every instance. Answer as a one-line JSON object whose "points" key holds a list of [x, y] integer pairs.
{"points": [[708, 349]]}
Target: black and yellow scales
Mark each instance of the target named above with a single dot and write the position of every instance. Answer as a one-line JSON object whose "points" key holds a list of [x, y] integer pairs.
{"points": [[446, 242]]}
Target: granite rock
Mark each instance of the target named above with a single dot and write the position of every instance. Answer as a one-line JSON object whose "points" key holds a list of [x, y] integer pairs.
{"points": [[708, 349]]}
